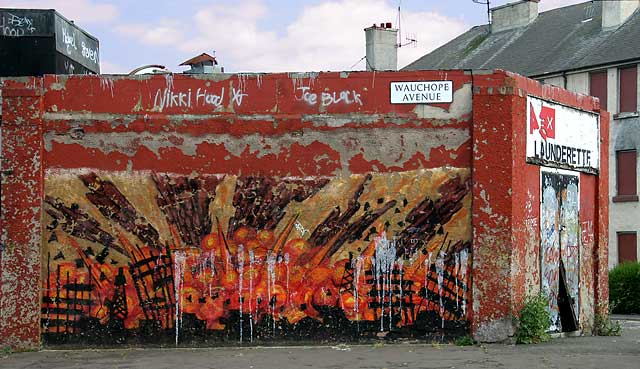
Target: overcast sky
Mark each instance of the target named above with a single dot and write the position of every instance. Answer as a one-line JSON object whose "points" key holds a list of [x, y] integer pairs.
{"points": [[262, 35]]}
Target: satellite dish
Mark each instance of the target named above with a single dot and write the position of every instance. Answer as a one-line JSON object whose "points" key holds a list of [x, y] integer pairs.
{"points": [[150, 69]]}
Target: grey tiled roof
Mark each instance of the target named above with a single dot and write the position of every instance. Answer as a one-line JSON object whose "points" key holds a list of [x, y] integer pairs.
{"points": [[557, 40]]}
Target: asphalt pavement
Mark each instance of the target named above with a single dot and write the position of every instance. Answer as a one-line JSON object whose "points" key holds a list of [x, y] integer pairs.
{"points": [[571, 352]]}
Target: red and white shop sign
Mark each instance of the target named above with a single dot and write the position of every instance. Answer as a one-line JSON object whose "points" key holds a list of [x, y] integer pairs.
{"points": [[562, 137]]}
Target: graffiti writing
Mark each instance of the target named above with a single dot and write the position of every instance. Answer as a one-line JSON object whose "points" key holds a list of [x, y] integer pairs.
{"points": [[237, 95], [89, 53], [16, 26], [69, 40], [550, 250], [300, 228], [201, 97], [587, 233], [328, 98], [560, 230], [569, 239], [69, 67]]}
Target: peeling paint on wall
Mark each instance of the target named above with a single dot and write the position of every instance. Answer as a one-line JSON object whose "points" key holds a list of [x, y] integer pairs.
{"points": [[389, 147]]}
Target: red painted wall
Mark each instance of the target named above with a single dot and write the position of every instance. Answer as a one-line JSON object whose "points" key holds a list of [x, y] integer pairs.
{"points": [[22, 191], [272, 105], [506, 210], [273, 125]]}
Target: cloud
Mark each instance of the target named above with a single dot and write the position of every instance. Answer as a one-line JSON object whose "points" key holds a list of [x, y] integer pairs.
{"points": [[107, 67], [80, 11], [325, 36], [166, 33]]}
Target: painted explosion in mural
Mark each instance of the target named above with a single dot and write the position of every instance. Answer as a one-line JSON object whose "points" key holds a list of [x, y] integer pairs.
{"points": [[164, 258]]}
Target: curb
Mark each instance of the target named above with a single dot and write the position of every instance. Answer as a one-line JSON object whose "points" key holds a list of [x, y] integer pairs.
{"points": [[632, 317]]}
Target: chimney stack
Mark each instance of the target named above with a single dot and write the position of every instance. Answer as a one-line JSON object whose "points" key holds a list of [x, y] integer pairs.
{"points": [[614, 13], [382, 47], [513, 15]]}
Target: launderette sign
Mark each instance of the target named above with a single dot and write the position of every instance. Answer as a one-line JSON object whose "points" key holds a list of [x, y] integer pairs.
{"points": [[562, 137], [422, 92]]}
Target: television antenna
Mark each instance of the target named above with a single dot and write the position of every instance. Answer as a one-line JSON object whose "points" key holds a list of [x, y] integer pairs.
{"points": [[488, 4], [409, 40]]}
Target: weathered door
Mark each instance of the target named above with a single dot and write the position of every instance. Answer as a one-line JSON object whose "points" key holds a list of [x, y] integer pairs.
{"points": [[559, 227]]}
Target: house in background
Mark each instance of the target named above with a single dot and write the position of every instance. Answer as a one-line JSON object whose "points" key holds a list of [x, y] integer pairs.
{"points": [[590, 48], [203, 64]]}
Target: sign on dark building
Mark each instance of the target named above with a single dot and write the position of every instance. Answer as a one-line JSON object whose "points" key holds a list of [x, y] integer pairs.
{"points": [[24, 22], [76, 44]]}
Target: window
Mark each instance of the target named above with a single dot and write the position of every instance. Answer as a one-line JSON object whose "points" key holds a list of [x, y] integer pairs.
{"points": [[627, 247], [598, 87], [626, 176], [628, 89]]}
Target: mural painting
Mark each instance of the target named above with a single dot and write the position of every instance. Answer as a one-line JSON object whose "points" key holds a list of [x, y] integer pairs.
{"points": [[173, 259], [559, 244]]}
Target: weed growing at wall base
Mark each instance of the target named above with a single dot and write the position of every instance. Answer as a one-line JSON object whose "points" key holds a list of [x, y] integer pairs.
{"points": [[533, 321], [6, 351], [603, 326], [465, 341]]}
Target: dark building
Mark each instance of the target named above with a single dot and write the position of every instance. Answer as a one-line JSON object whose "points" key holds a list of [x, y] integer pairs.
{"points": [[41, 41]]}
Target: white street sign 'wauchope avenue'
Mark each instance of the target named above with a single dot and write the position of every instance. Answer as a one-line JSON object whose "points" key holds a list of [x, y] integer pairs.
{"points": [[421, 92], [562, 137]]}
